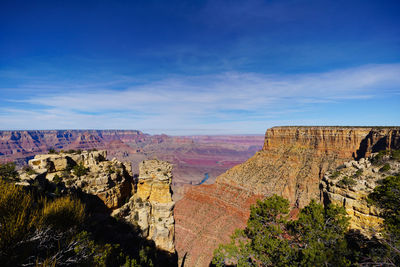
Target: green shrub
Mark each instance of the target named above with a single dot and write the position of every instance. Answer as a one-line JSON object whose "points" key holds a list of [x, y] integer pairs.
{"points": [[52, 151], [380, 157], [358, 173], [317, 238], [28, 169], [335, 174], [386, 197], [57, 179], [80, 170], [385, 168], [8, 172], [347, 181], [395, 154]]}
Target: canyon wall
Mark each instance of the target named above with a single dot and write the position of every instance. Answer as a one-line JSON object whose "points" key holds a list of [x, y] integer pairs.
{"points": [[291, 164], [193, 156], [151, 206]]}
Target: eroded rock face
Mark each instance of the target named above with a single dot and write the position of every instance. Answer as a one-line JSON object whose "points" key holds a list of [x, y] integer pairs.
{"points": [[145, 201], [350, 184], [291, 164], [151, 207], [206, 217], [111, 180]]}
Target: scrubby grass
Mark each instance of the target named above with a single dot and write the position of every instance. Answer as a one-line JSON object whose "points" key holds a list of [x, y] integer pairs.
{"points": [[347, 181], [17, 214], [358, 173], [335, 174], [385, 168], [395, 154], [62, 213]]}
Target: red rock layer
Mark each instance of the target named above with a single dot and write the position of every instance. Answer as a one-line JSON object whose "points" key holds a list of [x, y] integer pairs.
{"points": [[291, 164], [207, 217]]}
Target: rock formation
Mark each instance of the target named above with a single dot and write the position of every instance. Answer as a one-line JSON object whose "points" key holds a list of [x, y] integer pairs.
{"points": [[111, 180], [291, 164], [145, 202], [151, 207], [351, 183]]}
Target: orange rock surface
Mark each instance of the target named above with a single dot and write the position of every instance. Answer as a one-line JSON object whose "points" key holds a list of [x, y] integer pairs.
{"points": [[291, 164]]}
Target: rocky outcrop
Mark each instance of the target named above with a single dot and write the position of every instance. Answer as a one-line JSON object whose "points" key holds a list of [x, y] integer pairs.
{"points": [[291, 164], [145, 202], [350, 184], [111, 180], [294, 159], [151, 207]]}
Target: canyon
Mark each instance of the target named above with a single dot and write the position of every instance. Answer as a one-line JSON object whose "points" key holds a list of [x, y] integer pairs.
{"points": [[291, 164], [215, 184], [193, 157]]}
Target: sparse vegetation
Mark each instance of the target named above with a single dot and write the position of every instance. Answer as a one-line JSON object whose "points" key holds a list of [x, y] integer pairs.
{"points": [[317, 238], [8, 171], [385, 168], [80, 170], [347, 181], [381, 157], [387, 197], [62, 213], [57, 179], [335, 174], [395, 154], [358, 173], [52, 151], [40, 231], [29, 170]]}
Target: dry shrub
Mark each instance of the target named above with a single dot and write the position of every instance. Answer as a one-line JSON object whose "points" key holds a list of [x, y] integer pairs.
{"points": [[17, 214], [62, 213]]}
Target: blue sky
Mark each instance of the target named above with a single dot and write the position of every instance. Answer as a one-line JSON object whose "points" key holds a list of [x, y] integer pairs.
{"points": [[198, 67]]}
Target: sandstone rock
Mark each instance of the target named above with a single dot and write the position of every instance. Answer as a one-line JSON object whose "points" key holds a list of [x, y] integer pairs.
{"points": [[151, 207], [98, 179], [292, 163], [363, 216]]}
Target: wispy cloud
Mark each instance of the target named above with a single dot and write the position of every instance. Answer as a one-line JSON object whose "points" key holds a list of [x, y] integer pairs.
{"points": [[234, 101]]}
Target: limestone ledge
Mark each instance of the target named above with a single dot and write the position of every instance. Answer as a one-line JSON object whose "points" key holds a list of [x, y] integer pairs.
{"points": [[350, 184]]}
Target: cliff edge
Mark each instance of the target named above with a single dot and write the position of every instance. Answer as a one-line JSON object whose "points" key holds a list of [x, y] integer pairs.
{"points": [[291, 164]]}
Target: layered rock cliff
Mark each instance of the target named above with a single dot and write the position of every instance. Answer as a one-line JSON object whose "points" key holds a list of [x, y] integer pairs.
{"points": [[145, 201], [192, 156], [351, 183], [291, 164], [151, 206]]}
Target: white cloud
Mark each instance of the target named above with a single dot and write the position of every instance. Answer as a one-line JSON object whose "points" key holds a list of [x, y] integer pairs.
{"points": [[228, 101]]}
